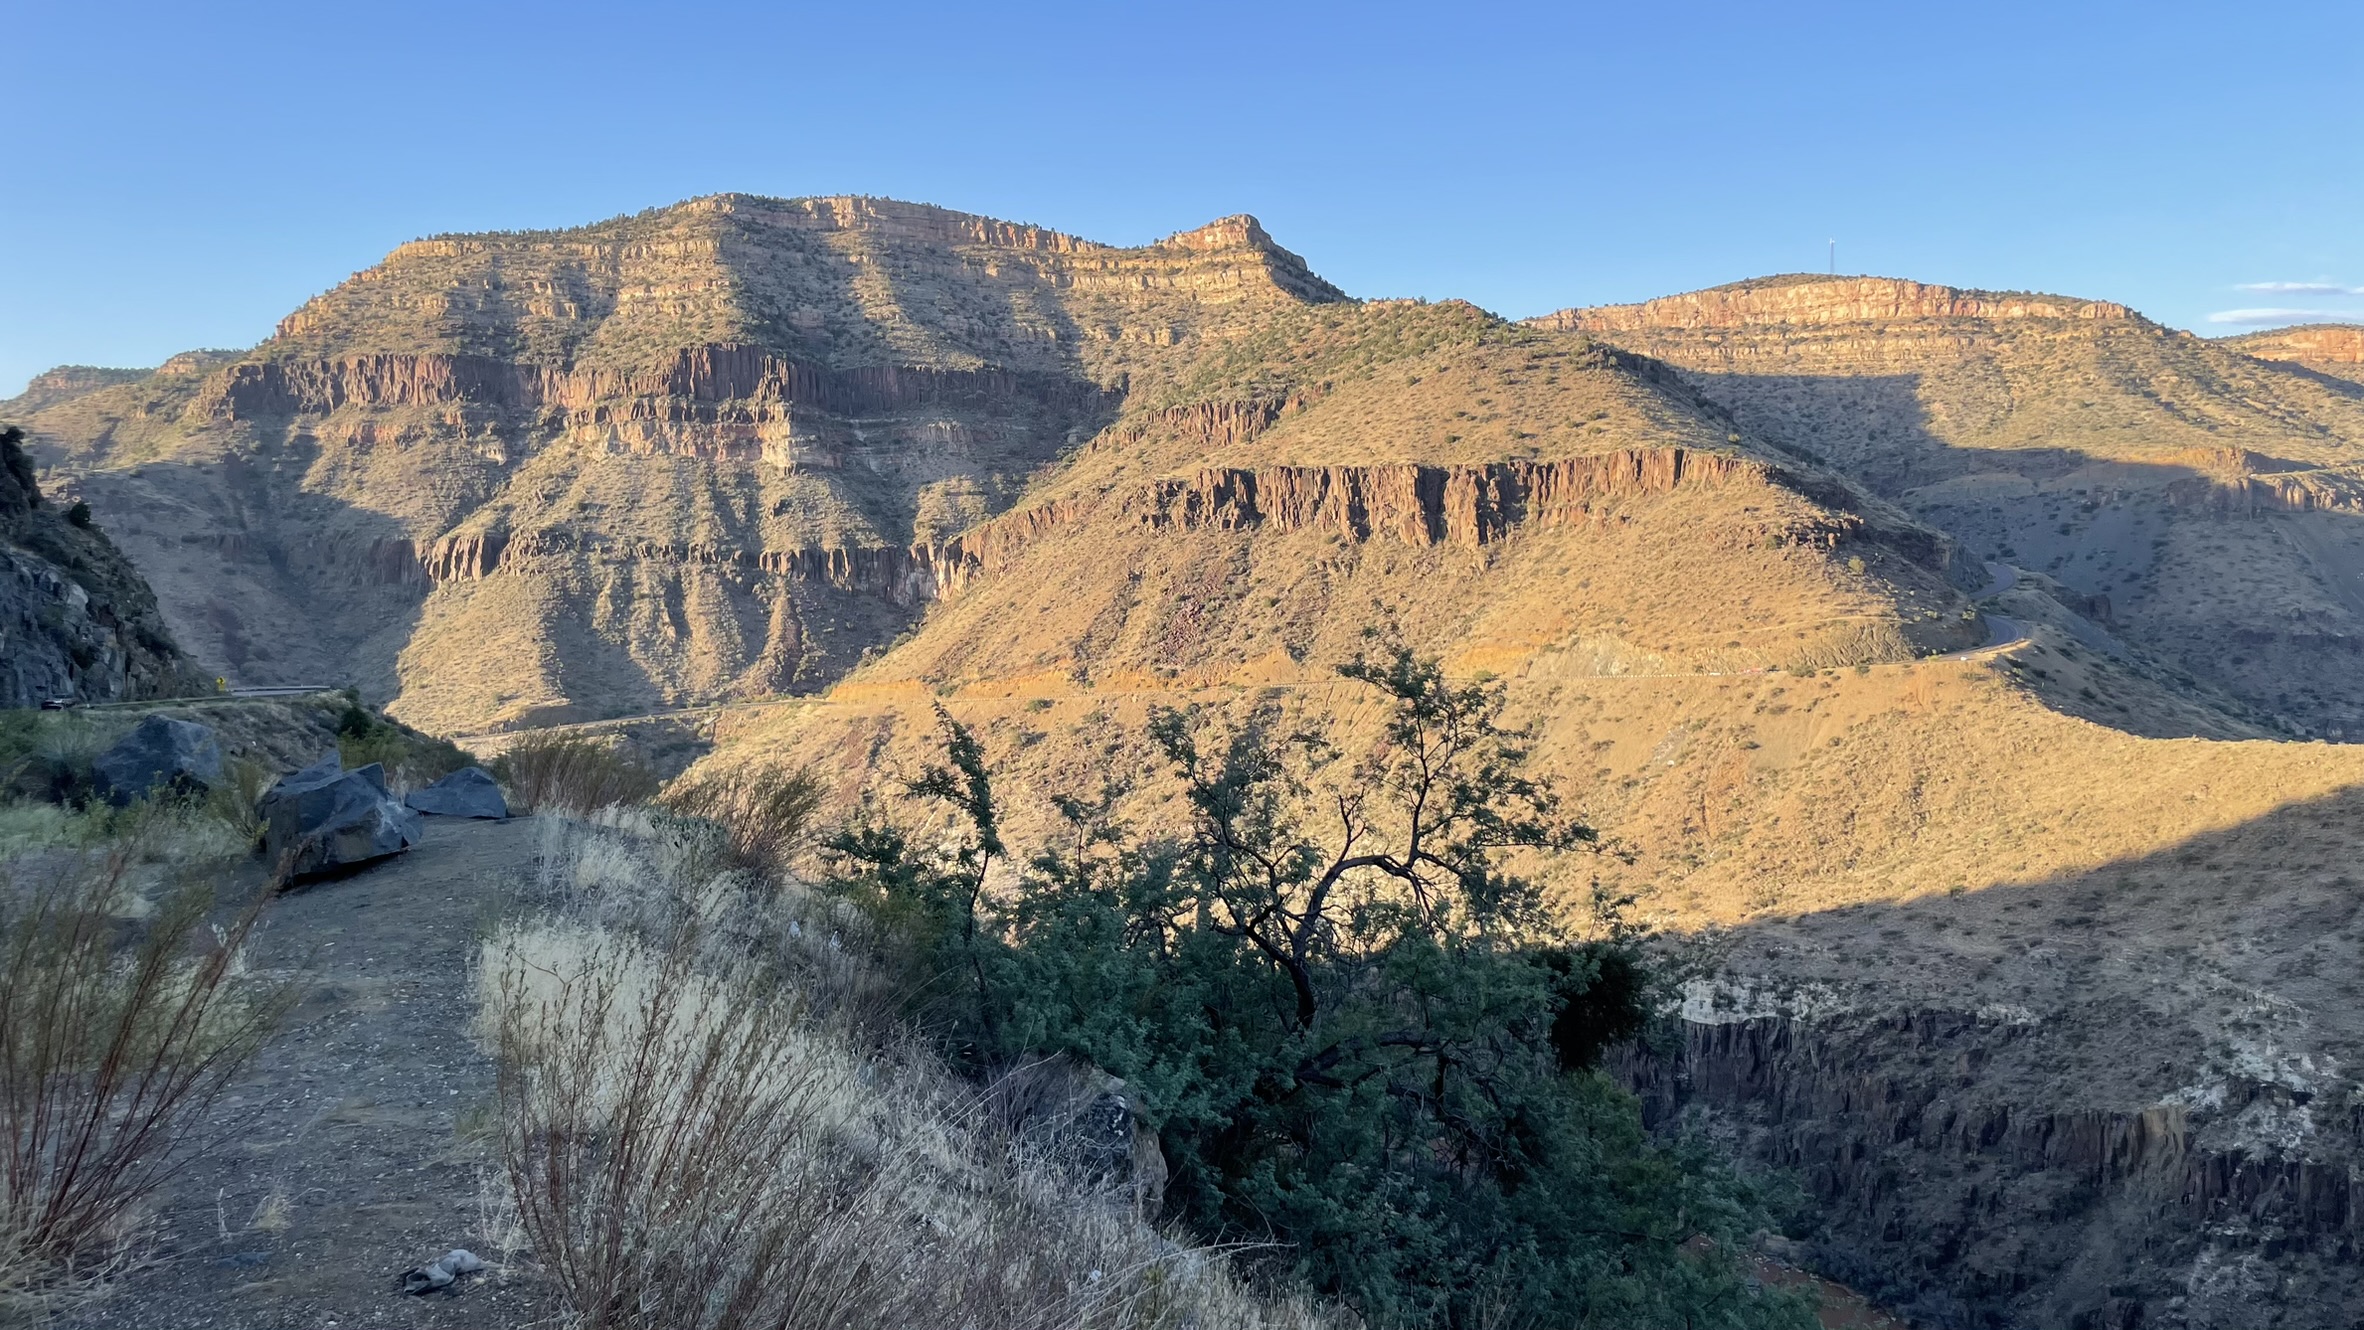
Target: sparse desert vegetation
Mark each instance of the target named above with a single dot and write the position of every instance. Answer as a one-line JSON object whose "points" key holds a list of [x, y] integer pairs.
{"points": [[1050, 934], [1362, 1037], [709, 1119], [126, 1013], [571, 773]]}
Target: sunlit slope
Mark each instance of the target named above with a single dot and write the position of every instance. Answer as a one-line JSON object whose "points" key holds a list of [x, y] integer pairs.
{"points": [[1494, 493], [2206, 502], [2333, 349], [696, 454]]}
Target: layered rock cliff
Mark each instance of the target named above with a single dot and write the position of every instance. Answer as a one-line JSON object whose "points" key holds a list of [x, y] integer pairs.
{"points": [[706, 452], [2336, 349], [1809, 301]]}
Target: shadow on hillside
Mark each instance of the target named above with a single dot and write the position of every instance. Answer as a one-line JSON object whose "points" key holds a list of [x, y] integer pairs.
{"points": [[2103, 528], [331, 606], [2061, 1099]]}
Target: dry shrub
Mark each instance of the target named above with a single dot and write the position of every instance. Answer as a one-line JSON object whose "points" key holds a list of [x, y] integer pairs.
{"points": [[235, 802], [569, 773], [693, 1145], [765, 812], [112, 1051]]}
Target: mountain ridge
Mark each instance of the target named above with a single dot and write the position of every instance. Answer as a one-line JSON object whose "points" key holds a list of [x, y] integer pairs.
{"points": [[1789, 581]]}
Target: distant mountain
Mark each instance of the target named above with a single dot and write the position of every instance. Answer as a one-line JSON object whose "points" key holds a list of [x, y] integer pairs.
{"points": [[692, 455], [2336, 349], [2201, 498]]}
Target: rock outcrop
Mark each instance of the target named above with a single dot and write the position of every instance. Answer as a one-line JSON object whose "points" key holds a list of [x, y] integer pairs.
{"points": [[717, 449], [324, 818], [77, 622], [1807, 301], [2201, 487], [160, 755], [2331, 348], [1947, 1197]]}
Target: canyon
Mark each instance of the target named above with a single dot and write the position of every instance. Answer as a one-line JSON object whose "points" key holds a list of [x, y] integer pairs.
{"points": [[1959, 676]]}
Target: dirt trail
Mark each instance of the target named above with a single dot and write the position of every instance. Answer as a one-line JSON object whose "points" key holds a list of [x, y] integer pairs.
{"points": [[361, 1145]]}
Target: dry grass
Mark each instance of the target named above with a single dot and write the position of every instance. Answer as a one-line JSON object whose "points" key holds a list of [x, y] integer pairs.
{"points": [[698, 1133], [111, 1054], [764, 812], [566, 773]]}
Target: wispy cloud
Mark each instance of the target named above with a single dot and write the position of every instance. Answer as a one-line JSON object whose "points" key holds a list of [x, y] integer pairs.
{"points": [[2302, 288], [2253, 318]]}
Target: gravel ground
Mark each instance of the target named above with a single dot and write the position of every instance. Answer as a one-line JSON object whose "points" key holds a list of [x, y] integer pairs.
{"points": [[360, 1144]]}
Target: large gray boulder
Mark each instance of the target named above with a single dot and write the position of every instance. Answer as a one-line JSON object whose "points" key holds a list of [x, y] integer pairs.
{"points": [[468, 792], [325, 818], [160, 753]]}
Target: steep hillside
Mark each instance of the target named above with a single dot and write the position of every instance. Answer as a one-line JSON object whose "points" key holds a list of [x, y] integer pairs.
{"points": [[1931, 658], [1987, 945], [694, 454], [1493, 491], [76, 620], [2209, 504]]}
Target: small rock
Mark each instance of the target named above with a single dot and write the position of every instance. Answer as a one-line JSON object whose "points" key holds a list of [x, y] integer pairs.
{"points": [[441, 1272], [468, 792], [159, 753]]}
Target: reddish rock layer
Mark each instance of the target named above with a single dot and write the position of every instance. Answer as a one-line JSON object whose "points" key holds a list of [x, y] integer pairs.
{"points": [[2319, 344], [706, 374]]}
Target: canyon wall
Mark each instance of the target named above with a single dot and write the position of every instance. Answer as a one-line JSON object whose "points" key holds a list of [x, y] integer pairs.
{"points": [[2206, 491], [1945, 1196]]}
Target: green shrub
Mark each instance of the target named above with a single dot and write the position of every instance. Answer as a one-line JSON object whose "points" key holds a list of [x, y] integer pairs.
{"points": [[1365, 1041], [409, 757]]}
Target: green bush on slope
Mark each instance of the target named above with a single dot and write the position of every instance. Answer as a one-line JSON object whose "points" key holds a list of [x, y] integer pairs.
{"points": [[1371, 1045]]}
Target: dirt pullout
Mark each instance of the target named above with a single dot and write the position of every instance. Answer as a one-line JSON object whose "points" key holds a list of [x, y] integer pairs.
{"points": [[357, 1146]]}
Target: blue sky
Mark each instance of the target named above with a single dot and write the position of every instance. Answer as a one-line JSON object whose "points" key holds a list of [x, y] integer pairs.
{"points": [[182, 175]]}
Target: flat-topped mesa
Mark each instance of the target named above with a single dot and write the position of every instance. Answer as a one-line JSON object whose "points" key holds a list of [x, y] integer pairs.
{"points": [[1801, 300], [921, 222], [67, 382], [2308, 344], [887, 218], [800, 277]]}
